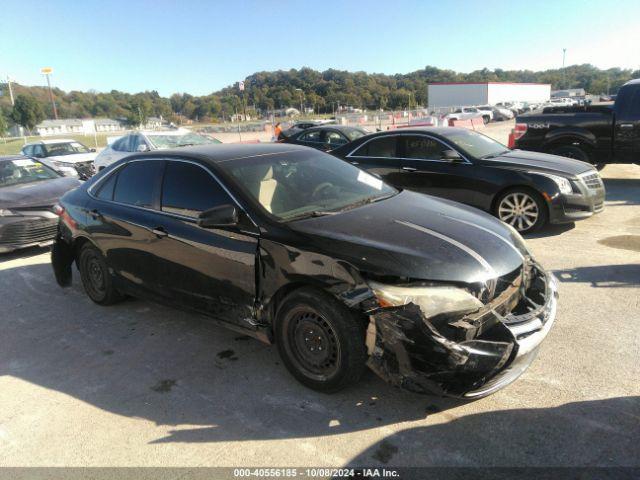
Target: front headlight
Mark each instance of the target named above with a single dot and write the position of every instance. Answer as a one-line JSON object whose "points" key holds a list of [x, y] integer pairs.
{"points": [[564, 185], [7, 213], [432, 300]]}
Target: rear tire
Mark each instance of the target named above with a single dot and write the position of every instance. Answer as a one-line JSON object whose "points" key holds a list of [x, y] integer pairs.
{"points": [[573, 151], [522, 208], [320, 341], [96, 279]]}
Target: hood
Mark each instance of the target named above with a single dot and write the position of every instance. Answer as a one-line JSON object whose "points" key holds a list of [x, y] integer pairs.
{"points": [[74, 158], [541, 162], [36, 194], [420, 237]]}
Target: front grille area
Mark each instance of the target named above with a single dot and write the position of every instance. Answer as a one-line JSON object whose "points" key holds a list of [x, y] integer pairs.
{"points": [[85, 169], [28, 232], [598, 206], [592, 181]]}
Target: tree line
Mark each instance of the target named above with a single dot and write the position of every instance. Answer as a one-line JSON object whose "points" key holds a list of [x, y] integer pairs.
{"points": [[266, 91]]}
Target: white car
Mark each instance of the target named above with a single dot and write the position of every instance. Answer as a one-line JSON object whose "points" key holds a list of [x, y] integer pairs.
{"points": [[465, 113], [67, 156], [142, 141]]}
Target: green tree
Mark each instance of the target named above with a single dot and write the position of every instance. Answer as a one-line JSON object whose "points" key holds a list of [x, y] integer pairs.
{"points": [[27, 112], [3, 125]]}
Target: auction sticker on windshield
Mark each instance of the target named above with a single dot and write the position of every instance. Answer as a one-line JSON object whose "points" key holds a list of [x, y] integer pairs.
{"points": [[364, 177]]}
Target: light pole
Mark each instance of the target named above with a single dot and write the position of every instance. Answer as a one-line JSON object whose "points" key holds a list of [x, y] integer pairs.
{"points": [[10, 91], [46, 71], [301, 97], [564, 73]]}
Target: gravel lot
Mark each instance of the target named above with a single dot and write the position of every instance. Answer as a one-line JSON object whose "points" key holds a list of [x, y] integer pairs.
{"points": [[141, 385]]}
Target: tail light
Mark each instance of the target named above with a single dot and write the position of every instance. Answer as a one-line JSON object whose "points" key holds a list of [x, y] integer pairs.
{"points": [[520, 130]]}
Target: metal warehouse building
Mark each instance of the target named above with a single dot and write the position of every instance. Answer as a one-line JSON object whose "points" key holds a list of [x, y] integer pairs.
{"points": [[445, 95]]}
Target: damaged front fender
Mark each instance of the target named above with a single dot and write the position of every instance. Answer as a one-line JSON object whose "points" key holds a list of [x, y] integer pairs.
{"points": [[407, 350]]}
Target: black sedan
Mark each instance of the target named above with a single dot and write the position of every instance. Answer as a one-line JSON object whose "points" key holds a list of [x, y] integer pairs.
{"points": [[28, 192], [294, 246], [325, 137], [523, 189]]}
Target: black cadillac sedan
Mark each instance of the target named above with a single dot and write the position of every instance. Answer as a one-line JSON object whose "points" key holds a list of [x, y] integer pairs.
{"points": [[326, 137], [524, 189], [294, 246], [28, 192]]}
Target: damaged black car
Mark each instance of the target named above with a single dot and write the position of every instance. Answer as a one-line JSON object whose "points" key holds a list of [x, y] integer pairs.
{"points": [[298, 248]]}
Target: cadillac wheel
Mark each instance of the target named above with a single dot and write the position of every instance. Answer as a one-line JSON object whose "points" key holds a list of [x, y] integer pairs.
{"points": [[523, 210]]}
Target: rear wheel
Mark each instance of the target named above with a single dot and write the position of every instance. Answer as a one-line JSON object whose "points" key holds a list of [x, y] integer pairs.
{"points": [[96, 279], [320, 341], [523, 209]]}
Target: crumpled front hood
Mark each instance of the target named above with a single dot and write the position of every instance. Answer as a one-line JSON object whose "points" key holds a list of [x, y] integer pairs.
{"points": [[75, 158], [541, 162], [36, 194], [420, 237]]}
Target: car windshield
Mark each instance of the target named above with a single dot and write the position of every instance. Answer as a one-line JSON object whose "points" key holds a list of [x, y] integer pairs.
{"points": [[69, 148], [23, 170], [475, 144], [295, 185], [161, 141]]}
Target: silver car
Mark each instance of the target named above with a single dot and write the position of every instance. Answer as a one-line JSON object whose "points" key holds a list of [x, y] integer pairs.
{"points": [[144, 141]]}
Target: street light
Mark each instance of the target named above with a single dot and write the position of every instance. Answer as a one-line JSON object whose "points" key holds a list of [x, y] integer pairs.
{"points": [[46, 71], [564, 73]]}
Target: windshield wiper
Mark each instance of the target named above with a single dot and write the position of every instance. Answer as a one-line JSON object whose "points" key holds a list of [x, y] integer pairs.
{"points": [[494, 155]]}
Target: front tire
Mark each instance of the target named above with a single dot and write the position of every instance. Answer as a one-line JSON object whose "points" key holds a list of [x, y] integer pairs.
{"points": [[96, 279], [320, 341], [523, 209]]}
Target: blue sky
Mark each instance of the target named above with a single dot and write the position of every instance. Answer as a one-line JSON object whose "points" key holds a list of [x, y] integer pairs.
{"points": [[201, 46]]}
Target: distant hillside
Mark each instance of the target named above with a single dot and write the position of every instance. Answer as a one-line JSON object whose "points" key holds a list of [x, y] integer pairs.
{"points": [[321, 90]]}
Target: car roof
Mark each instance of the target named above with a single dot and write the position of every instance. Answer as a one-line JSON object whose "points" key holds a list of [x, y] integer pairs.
{"points": [[52, 141], [222, 152], [334, 127]]}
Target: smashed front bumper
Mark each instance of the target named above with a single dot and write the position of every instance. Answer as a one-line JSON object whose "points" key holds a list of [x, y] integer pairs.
{"points": [[469, 357]]}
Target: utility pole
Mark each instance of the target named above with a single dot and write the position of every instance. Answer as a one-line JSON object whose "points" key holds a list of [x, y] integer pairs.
{"points": [[564, 72], [46, 71], [10, 91], [301, 94]]}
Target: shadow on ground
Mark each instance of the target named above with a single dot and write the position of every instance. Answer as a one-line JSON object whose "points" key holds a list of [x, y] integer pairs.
{"points": [[588, 434], [623, 191], [603, 276]]}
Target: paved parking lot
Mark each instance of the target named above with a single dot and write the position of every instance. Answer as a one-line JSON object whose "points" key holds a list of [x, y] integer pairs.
{"points": [[139, 385]]}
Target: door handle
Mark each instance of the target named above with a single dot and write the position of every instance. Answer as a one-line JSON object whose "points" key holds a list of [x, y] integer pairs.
{"points": [[159, 232], [626, 125], [94, 213], [409, 169], [355, 163]]}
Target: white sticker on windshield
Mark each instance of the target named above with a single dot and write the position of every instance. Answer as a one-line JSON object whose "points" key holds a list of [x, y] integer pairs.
{"points": [[23, 162], [370, 180]]}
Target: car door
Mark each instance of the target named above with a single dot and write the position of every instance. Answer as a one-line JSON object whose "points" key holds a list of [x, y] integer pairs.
{"points": [[379, 157], [207, 269], [425, 170], [122, 215], [627, 125]]}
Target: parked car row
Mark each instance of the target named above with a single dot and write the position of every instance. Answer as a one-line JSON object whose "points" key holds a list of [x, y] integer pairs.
{"points": [[384, 252]]}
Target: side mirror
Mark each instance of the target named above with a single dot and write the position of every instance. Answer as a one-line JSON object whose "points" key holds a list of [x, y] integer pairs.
{"points": [[221, 216], [451, 155], [92, 150], [142, 148]]}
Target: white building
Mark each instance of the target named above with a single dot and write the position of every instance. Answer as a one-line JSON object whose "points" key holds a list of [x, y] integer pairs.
{"points": [[448, 95], [108, 125], [75, 125]]}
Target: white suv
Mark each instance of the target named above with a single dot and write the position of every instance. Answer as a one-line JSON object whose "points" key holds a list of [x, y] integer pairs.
{"points": [[66, 156]]}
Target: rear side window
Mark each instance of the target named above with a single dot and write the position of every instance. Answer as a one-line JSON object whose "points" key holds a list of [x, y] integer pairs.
{"points": [[105, 192], [137, 182], [384, 147], [311, 136], [420, 147], [189, 190]]}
